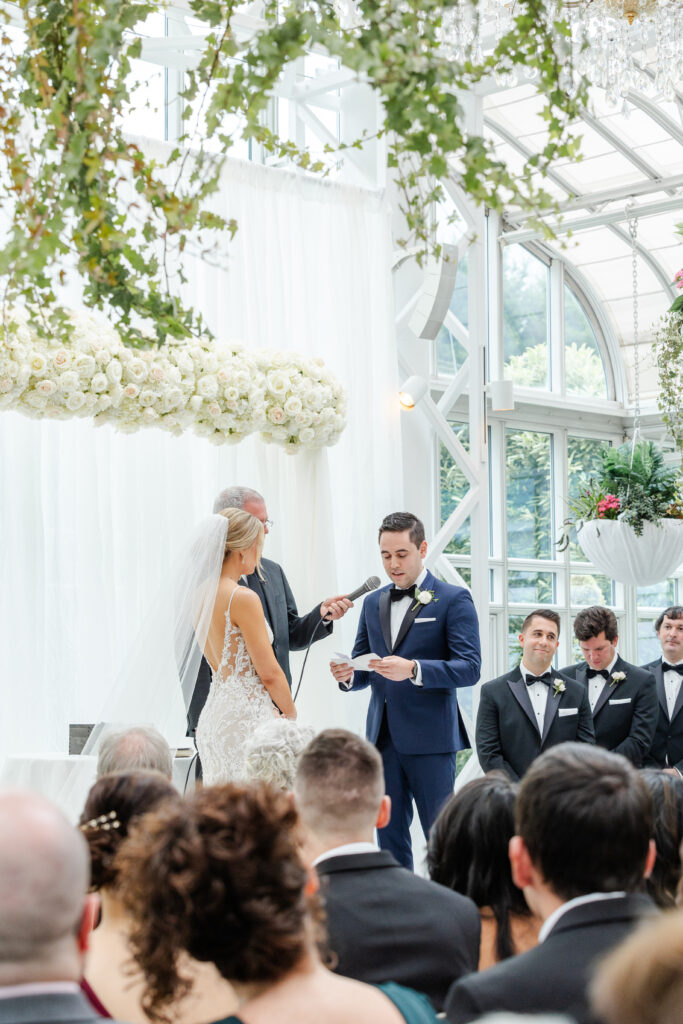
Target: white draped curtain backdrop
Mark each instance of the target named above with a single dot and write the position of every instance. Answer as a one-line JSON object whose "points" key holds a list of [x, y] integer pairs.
{"points": [[90, 519]]}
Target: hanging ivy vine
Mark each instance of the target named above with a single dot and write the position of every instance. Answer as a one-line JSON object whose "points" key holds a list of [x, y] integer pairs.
{"points": [[65, 163], [668, 350]]}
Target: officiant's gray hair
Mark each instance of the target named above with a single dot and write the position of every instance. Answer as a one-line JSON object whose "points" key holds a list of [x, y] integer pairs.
{"points": [[44, 877], [236, 497]]}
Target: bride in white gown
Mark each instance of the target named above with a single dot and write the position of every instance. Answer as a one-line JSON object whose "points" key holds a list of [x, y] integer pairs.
{"points": [[248, 686]]}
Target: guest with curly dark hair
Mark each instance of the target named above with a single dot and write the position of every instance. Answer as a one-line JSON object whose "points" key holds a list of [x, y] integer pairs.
{"points": [[221, 879], [468, 852], [667, 805], [111, 982]]}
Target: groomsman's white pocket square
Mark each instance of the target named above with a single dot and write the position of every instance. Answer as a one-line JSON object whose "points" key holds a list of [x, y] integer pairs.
{"points": [[567, 711], [418, 621], [624, 700]]}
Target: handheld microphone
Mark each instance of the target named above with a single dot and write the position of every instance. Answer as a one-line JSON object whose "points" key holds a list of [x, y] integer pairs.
{"points": [[371, 583]]}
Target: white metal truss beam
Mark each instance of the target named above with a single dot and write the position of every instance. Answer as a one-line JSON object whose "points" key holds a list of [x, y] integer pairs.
{"points": [[596, 219], [621, 147], [662, 276]]}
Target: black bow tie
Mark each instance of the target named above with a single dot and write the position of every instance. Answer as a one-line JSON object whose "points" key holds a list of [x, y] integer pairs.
{"points": [[666, 667], [397, 595], [591, 672], [545, 678]]}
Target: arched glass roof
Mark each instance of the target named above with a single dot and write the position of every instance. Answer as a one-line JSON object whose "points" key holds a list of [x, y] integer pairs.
{"points": [[632, 162]]}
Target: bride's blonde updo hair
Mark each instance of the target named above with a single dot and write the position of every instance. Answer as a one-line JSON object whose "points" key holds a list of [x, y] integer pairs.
{"points": [[243, 530]]}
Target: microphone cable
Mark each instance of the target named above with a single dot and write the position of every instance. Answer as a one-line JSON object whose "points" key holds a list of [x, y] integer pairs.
{"points": [[308, 648]]}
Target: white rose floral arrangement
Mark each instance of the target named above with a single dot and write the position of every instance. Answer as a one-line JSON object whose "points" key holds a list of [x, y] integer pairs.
{"points": [[221, 391]]}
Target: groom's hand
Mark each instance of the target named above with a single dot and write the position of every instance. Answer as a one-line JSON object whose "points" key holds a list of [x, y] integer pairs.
{"points": [[341, 671], [393, 667], [334, 608]]}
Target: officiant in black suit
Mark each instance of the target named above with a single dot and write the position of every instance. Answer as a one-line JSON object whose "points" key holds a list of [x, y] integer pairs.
{"points": [[531, 708], [667, 747], [291, 631], [622, 697]]}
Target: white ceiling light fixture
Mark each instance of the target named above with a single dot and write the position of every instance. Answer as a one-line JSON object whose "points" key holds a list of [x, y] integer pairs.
{"points": [[412, 392]]}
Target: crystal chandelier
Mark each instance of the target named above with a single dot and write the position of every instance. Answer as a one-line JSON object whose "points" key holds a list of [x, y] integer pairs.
{"points": [[617, 45]]}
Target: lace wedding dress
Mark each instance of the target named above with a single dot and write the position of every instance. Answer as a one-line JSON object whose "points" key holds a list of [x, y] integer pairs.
{"points": [[238, 703]]}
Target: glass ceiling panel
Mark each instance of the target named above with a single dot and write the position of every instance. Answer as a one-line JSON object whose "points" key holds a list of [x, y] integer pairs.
{"points": [[666, 157], [592, 246], [660, 231], [638, 129], [613, 277], [600, 172]]}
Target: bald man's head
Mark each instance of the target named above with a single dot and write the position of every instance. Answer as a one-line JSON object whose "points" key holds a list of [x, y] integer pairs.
{"points": [[44, 876]]}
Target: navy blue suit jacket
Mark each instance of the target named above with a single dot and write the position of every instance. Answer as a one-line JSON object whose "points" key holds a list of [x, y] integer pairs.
{"points": [[444, 637]]}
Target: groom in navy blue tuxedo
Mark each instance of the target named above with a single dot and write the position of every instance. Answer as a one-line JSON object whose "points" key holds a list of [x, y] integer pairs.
{"points": [[425, 634]]}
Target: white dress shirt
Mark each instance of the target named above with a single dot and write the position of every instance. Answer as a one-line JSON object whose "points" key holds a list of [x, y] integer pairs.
{"points": [[538, 695], [672, 685], [346, 850], [39, 988], [578, 901], [596, 684], [399, 609]]}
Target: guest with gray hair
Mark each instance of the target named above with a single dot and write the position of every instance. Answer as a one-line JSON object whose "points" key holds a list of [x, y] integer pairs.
{"points": [[45, 913], [139, 748], [291, 631], [273, 752]]}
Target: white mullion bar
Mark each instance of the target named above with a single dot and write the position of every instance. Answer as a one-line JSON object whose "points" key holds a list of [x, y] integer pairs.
{"points": [[465, 506], [455, 389], [556, 327]]}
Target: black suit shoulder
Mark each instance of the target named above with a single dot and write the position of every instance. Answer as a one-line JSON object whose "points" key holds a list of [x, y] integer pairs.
{"points": [[652, 665], [387, 924]]}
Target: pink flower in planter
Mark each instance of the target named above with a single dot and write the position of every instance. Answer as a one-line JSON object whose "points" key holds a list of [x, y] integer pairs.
{"points": [[608, 507], [678, 279]]}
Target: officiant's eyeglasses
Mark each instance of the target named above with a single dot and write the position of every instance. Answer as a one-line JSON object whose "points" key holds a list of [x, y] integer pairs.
{"points": [[268, 523]]}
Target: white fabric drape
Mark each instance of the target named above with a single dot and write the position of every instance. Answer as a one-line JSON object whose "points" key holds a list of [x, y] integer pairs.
{"points": [[89, 518]]}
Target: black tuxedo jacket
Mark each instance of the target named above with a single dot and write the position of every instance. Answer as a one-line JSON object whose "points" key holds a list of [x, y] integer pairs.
{"points": [[507, 735], [50, 1008], [667, 746], [291, 631], [555, 975], [625, 714], [387, 924]]}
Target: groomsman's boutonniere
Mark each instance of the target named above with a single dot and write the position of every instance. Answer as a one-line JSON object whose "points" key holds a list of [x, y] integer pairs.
{"points": [[617, 678], [558, 688], [423, 597]]}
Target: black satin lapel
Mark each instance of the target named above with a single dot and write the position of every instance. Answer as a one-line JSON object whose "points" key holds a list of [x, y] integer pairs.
{"points": [[659, 680], [679, 702], [407, 622], [519, 692], [603, 695], [385, 618], [552, 703]]}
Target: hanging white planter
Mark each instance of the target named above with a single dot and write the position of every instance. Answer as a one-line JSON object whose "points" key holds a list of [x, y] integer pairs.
{"points": [[615, 549]]}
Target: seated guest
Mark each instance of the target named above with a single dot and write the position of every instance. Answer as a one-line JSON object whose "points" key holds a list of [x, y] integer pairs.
{"points": [[384, 922], [667, 746], [468, 852], [45, 914], [221, 878], [667, 802], [584, 843], [273, 752], [641, 982], [623, 697], [531, 708], [114, 804], [135, 749]]}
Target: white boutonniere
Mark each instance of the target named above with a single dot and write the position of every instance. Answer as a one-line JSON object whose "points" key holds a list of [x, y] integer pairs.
{"points": [[558, 688], [423, 597], [617, 678]]}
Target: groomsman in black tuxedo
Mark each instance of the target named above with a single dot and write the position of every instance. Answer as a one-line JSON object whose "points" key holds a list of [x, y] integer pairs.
{"points": [[622, 697], [667, 748], [532, 707], [584, 844]]}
